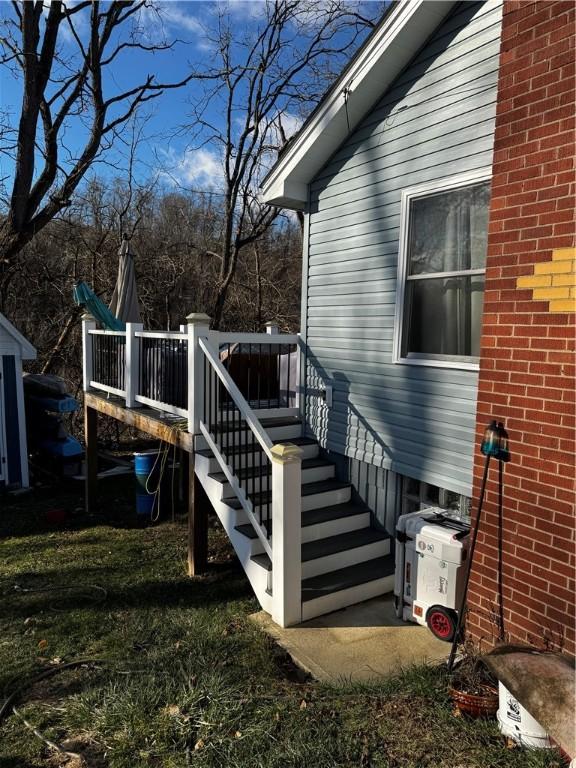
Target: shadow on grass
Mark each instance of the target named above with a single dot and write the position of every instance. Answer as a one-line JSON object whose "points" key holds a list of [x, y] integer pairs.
{"points": [[29, 514], [202, 592]]}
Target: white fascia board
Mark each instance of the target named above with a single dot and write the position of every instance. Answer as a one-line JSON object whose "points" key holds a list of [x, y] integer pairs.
{"points": [[385, 54], [27, 351]]}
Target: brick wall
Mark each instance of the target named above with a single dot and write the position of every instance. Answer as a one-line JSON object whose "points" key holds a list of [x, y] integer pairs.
{"points": [[527, 372]]}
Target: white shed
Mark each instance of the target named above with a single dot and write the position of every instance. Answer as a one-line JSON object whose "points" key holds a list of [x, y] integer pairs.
{"points": [[13, 449]]}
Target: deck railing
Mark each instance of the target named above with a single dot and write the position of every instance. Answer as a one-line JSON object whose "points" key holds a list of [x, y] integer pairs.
{"points": [[152, 367], [106, 358]]}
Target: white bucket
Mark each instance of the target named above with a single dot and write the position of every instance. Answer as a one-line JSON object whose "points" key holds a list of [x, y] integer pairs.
{"points": [[518, 724]]}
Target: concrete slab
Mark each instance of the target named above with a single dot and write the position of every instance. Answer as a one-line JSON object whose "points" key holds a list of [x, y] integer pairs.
{"points": [[363, 642]]}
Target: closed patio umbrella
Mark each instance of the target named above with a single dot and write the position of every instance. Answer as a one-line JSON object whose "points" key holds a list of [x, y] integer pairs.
{"points": [[124, 304]]}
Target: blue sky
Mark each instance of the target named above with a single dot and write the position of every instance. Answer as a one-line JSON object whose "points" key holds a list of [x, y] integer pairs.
{"points": [[167, 149]]}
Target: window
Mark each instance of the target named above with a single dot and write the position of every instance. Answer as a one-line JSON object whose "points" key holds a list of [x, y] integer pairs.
{"points": [[417, 495], [441, 273]]}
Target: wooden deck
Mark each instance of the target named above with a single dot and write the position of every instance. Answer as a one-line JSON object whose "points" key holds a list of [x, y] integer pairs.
{"points": [[161, 426]]}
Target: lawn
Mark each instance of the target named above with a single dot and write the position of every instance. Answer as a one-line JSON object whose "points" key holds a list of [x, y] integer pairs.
{"points": [[180, 675]]}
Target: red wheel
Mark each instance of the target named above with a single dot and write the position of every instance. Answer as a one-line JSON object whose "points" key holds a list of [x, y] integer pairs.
{"points": [[441, 622]]}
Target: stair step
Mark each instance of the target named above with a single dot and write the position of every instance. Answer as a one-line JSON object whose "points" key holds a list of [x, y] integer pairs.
{"points": [[308, 489], [266, 469], [315, 516], [255, 447], [263, 560], [345, 578], [313, 550], [247, 529], [333, 512], [267, 423]]}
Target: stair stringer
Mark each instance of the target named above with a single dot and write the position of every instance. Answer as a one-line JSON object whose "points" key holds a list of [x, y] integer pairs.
{"points": [[243, 546]]}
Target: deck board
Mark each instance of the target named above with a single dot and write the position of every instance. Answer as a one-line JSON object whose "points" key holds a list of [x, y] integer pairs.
{"points": [[160, 425]]}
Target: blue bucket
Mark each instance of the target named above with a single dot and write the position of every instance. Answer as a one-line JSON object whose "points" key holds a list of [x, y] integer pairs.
{"points": [[147, 471], [144, 462]]}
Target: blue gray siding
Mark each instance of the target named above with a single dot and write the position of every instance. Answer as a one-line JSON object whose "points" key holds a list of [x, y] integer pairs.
{"points": [[436, 121]]}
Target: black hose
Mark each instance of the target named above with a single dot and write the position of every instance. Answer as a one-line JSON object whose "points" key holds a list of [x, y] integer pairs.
{"points": [[500, 552], [42, 676], [469, 568]]}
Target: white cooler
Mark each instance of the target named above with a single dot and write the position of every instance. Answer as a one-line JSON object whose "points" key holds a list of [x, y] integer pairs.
{"points": [[431, 552]]}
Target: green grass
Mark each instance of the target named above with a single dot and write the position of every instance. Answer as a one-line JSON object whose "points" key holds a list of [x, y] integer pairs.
{"points": [[184, 677]]}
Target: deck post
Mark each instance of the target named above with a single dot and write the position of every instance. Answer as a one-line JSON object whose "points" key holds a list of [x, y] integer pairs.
{"points": [[198, 327], [132, 364], [198, 504], [272, 328], [286, 534], [88, 324], [91, 457]]}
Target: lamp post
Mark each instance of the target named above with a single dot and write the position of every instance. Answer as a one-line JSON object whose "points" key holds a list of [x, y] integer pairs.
{"points": [[494, 445]]}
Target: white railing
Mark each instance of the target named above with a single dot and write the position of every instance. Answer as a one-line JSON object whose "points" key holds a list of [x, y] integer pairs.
{"points": [[104, 359], [266, 478], [153, 368]]}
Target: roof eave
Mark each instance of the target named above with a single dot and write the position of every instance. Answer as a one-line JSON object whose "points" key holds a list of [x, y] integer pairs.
{"points": [[27, 351], [384, 55]]}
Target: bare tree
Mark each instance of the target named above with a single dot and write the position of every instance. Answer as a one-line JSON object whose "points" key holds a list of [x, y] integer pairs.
{"points": [[258, 81], [61, 85]]}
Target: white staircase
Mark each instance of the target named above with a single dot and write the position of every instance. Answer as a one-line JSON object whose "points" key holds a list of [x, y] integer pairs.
{"points": [[344, 560]]}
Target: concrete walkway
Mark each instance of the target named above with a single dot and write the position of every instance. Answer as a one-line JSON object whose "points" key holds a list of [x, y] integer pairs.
{"points": [[363, 642]]}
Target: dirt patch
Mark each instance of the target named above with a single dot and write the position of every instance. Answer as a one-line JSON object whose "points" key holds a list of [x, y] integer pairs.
{"points": [[82, 751]]}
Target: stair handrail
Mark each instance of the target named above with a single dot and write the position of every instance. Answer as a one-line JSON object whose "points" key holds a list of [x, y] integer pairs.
{"points": [[284, 546], [255, 427], [238, 398]]}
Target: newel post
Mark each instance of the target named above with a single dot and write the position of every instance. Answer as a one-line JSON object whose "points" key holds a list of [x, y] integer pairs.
{"points": [[88, 324], [198, 325], [286, 534], [132, 363]]}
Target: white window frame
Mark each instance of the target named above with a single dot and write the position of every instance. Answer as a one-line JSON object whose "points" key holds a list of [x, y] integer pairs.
{"points": [[423, 499], [409, 194]]}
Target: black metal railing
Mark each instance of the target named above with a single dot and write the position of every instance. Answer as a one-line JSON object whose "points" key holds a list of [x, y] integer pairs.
{"points": [[265, 374], [164, 370], [109, 360], [238, 446]]}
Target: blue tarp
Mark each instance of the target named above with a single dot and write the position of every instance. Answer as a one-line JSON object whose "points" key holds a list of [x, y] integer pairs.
{"points": [[84, 296]]}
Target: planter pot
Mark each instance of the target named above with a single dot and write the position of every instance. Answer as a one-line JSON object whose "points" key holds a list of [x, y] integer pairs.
{"points": [[476, 705]]}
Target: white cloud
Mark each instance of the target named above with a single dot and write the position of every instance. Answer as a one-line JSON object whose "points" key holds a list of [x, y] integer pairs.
{"points": [[174, 15], [290, 125], [248, 9], [166, 20], [79, 21], [200, 168]]}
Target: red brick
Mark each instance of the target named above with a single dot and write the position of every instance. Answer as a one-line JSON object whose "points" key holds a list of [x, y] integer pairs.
{"points": [[543, 131], [556, 216], [559, 138], [543, 15], [532, 390], [560, 86]]}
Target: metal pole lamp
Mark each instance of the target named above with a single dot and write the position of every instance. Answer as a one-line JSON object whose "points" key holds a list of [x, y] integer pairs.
{"points": [[494, 445]]}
